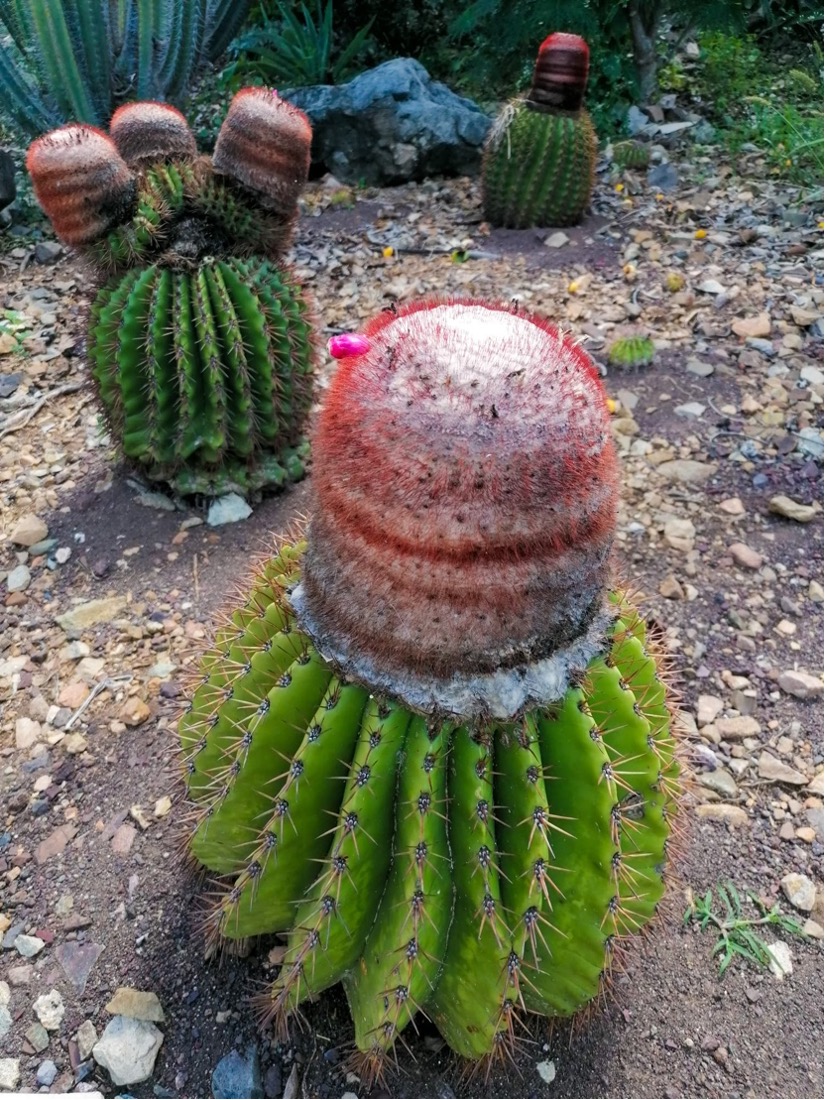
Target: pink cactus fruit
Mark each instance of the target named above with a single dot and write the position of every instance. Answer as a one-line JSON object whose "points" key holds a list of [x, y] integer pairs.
{"points": [[560, 75]]}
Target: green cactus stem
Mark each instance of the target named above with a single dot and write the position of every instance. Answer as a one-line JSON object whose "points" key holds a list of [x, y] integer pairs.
{"points": [[631, 154], [631, 352], [540, 157], [434, 746], [200, 343]]}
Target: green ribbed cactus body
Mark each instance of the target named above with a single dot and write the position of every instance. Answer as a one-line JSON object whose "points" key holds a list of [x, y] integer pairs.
{"points": [[538, 167], [631, 352], [631, 154], [467, 870], [205, 374]]}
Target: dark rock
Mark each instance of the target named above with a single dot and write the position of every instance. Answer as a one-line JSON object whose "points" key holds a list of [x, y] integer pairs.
{"points": [[663, 177], [9, 383], [77, 960], [48, 252], [391, 124], [273, 1083], [8, 190], [237, 1076]]}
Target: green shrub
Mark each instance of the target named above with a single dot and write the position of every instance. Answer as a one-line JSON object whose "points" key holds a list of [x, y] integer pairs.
{"points": [[76, 60]]}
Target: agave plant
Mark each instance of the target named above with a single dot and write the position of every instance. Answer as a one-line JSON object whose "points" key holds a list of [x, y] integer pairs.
{"points": [[75, 60]]}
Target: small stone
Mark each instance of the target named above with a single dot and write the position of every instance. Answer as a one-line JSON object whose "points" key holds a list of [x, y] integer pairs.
{"points": [[55, 843], [813, 929], [546, 1071], [46, 1073], [28, 530], [159, 501], [62, 554], [38, 1037], [800, 684], [800, 891], [700, 369], [777, 772], [746, 557], [5, 1021], [138, 815], [781, 963], [29, 946], [5, 994], [26, 733], [231, 508], [680, 534], [128, 1050], [237, 1075], [75, 743], [720, 781], [733, 506], [73, 695], [687, 471], [707, 708], [692, 410], [556, 240], [735, 729], [792, 509], [47, 252], [86, 1037], [9, 1074], [92, 613], [20, 975], [721, 811], [136, 1004], [757, 326], [134, 711], [671, 589], [77, 960], [163, 806], [123, 840], [49, 1009], [19, 579]]}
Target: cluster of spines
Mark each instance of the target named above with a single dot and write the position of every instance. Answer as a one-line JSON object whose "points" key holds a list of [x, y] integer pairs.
{"points": [[210, 368], [512, 862], [631, 352]]}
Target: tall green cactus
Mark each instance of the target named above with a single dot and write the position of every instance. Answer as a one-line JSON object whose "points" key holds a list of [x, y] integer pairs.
{"points": [[77, 59], [434, 746], [200, 344], [541, 153]]}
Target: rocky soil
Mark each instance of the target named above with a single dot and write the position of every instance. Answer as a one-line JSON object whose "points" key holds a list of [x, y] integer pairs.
{"points": [[109, 588]]}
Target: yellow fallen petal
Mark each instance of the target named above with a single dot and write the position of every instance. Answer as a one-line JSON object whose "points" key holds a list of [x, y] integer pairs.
{"points": [[387, 252], [620, 187], [612, 406], [700, 234]]}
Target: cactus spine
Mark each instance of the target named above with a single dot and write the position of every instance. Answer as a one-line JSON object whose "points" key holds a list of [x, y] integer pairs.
{"points": [[200, 343], [434, 747], [540, 157]]}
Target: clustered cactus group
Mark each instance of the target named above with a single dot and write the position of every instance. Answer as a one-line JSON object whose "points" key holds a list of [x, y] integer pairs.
{"points": [[434, 746], [540, 157], [199, 339]]}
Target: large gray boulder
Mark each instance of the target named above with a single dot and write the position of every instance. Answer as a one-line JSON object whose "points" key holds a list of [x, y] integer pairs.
{"points": [[391, 124]]}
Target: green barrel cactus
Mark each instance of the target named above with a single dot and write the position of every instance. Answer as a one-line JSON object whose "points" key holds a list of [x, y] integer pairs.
{"points": [[200, 342], [434, 746], [540, 156], [631, 352], [631, 154]]}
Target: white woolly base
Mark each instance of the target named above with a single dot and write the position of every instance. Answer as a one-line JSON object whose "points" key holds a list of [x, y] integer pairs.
{"points": [[505, 694]]}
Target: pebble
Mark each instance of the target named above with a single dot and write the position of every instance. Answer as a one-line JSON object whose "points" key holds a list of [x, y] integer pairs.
{"points": [[680, 534], [781, 963], [38, 1037], [5, 1021], [700, 369], [55, 843], [77, 959], [134, 711], [86, 1037], [556, 240], [163, 806], [46, 1073], [546, 1071], [771, 768], [29, 946], [707, 708], [19, 579], [28, 531], [26, 732], [5, 994], [128, 1050], [20, 975], [792, 509], [9, 1074], [49, 1009], [237, 1075], [721, 811], [802, 685], [693, 410], [687, 471], [720, 781], [757, 326], [733, 506], [136, 1004], [123, 840], [671, 589], [75, 743], [231, 508], [746, 557], [736, 729], [800, 891], [92, 613]]}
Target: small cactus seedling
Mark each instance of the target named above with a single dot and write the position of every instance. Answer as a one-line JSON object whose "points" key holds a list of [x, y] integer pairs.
{"points": [[540, 157], [631, 352], [631, 154], [434, 747], [199, 340]]}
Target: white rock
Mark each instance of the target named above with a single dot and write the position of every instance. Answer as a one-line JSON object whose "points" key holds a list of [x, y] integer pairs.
{"points": [[680, 534], [801, 684], [231, 508], [19, 579], [128, 1049], [707, 708], [691, 411], [28, 530], [686, 470], [9, 1074], [85, 1038], [5, 993], [800, 891], [557, 240], [26, 732], [29, 946], [5, 1021], [781, 963], [546, 1071], [49, 1009]]}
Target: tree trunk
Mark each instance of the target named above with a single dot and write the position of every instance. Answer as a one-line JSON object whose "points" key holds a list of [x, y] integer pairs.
{"points": [[644, 23]]}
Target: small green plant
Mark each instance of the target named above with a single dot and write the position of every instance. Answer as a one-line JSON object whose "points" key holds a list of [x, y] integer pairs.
{"points": [[295, 49], [76, 60], [736, 931]]}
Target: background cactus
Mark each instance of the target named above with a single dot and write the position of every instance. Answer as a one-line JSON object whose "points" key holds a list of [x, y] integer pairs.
{"points": [[631, 352], [200, 343], [449, 635], [631, 154], [540, 157]]}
